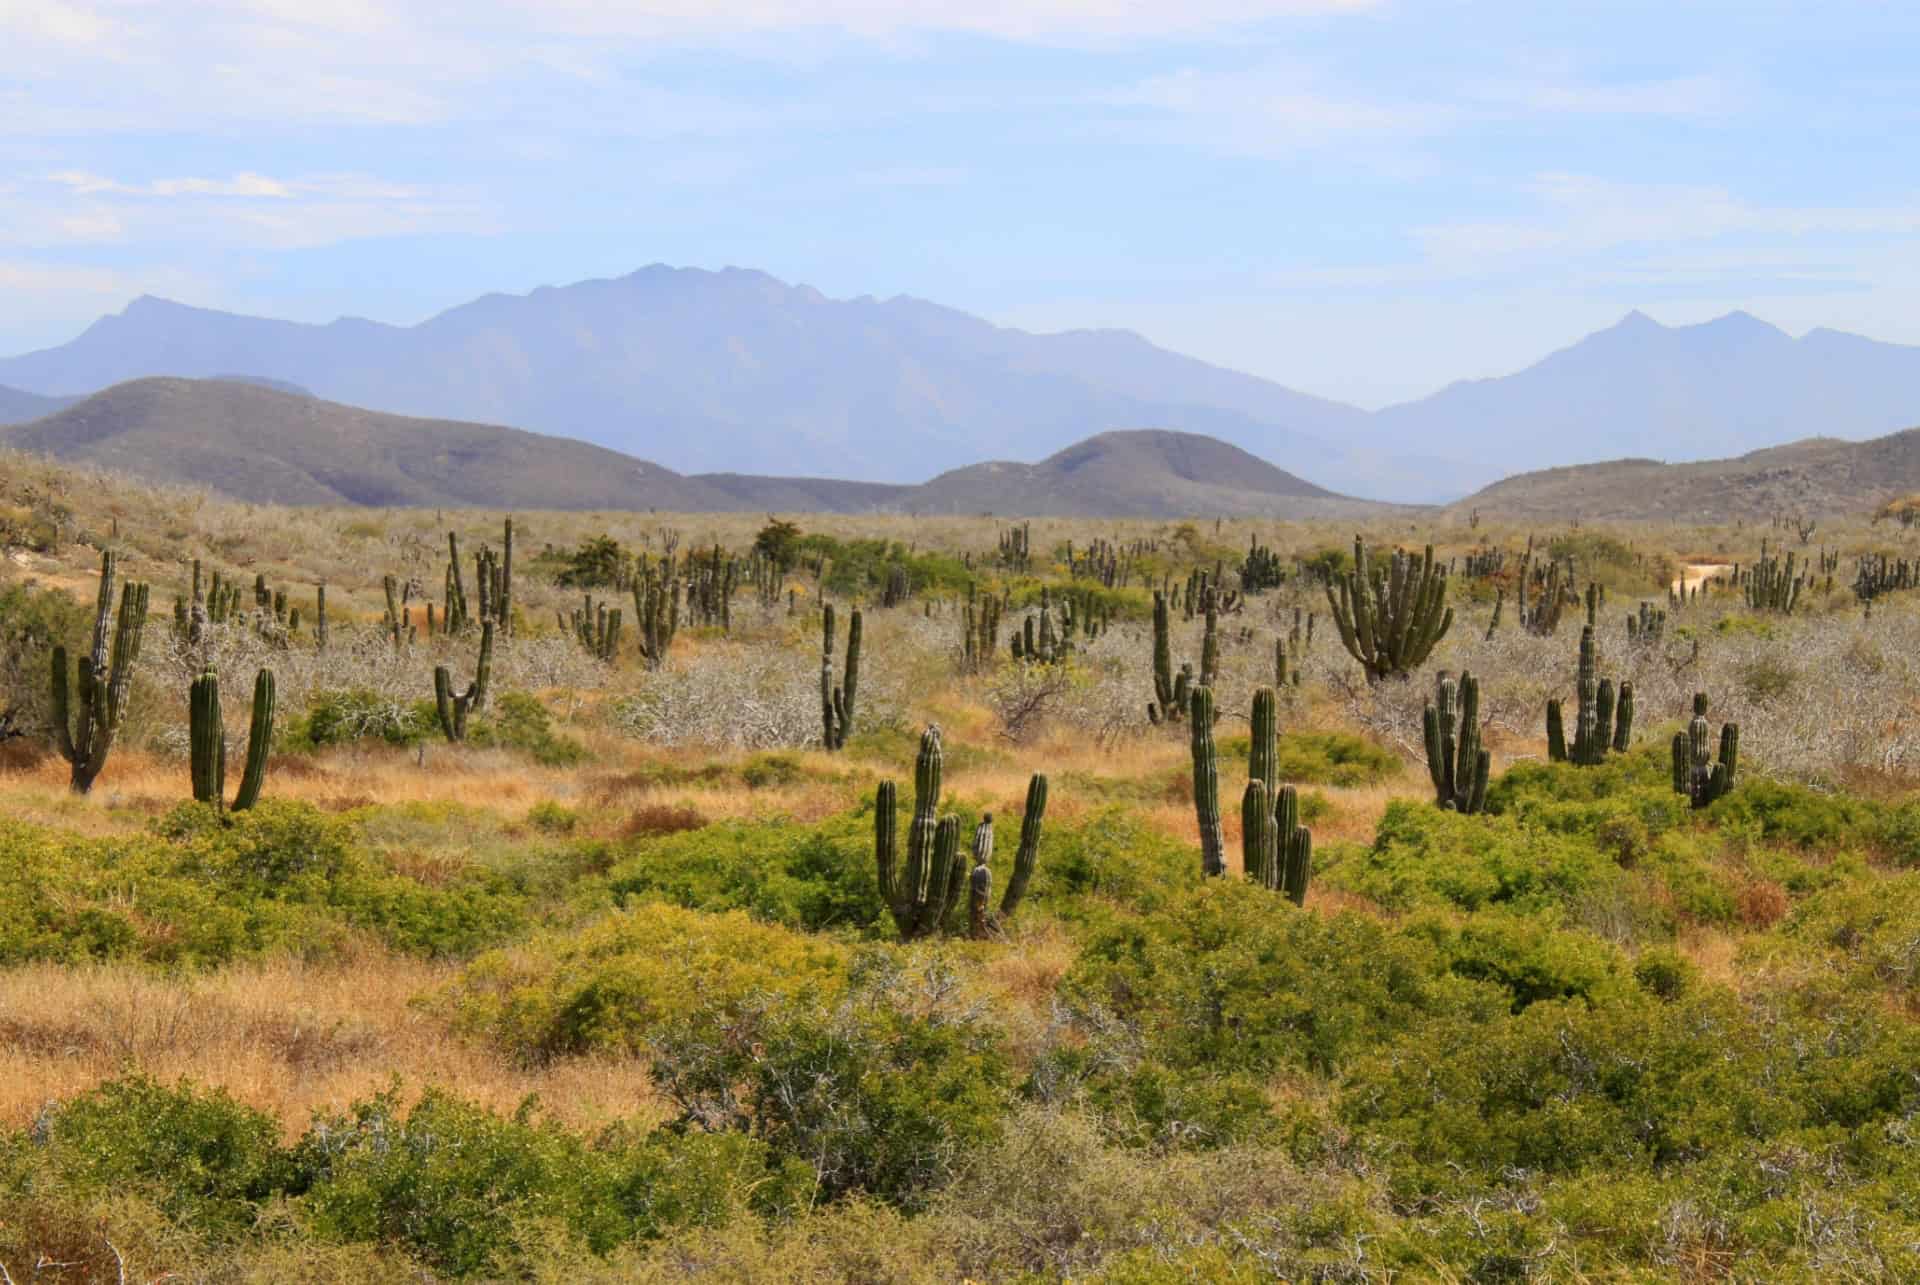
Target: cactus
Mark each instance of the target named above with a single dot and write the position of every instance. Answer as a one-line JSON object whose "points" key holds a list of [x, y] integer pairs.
{"points": [[921, 899], [1696, 772], [1602, 721], [1276, 850], [393, 622], [836, 703], [1173, 692], [102, 678], [1455, 760], [1390, 617], [1774, 586], [453, 707], [320, 616], [980, 883], [1029, 853], [208, 740], [657, 607], [1206, 783]]}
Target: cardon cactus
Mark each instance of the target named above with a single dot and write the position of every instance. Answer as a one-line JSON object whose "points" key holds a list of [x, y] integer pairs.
{"points": [[208, 741], [980, 882], [1173, 693], [1696, 772], [452, 706], [1455, 760], [1029, 853], [1206, 784], [836, 703], [921, 896], [1603, 720], [1390, 617], [102, 678], [1276, 850]]}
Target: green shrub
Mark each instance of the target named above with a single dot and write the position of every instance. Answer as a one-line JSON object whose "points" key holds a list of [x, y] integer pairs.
{"points": [[518, 721], [1233, 978], [1320, 758], [812, 877], [204, 889], [472, 1192], [552, 818], [1422, 855], [205, 1160], [881, 1092], [1530, 956], [344, 717], [613, 984]]}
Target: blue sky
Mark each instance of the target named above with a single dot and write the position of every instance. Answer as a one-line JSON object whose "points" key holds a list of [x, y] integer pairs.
{"points": [[1362, 200]]}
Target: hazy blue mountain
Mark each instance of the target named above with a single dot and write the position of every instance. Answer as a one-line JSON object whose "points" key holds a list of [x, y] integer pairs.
{"points": [[17, 407], [734, 372], [264, 444], [727, 371], [1639, 389]]}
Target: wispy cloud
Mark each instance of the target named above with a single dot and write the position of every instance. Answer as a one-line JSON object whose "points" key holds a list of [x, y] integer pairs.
{"points": [[242, 211]]}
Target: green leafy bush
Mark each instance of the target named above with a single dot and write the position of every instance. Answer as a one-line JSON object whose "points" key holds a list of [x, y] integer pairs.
{"points": [[1422, 855], [613, 984], [882, 1091], [1235, 978]]}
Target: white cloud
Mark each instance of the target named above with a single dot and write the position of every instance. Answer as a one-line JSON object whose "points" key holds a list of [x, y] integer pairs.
{"points": [[1581, 214], [244, 211]]}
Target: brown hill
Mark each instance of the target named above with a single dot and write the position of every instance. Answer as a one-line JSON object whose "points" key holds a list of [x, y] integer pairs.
{"points": [[274, 447], [1820, 475], [1144, 472]]}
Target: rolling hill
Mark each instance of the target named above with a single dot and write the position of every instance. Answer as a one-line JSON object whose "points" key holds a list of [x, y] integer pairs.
{"points": [[1149, 473], [17, 407], [263, 444], [1812, 477], [270, 446]]}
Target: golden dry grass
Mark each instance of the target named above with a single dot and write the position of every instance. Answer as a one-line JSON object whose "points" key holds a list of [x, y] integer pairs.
{"points": [[284, 1036]]}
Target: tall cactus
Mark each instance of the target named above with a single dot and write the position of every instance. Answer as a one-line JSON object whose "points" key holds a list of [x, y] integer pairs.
{"points": [[1029, 853], [1206, 784], [1455, 760], [1173, 692], [921, 896], [102, 679], [207, 738], [1603, 721], [452, 706], [836, 703], [1696, 772], [1276, 850], [1390, 617]]}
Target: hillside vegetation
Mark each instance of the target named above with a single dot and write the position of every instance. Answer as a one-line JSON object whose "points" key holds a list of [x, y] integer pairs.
{"points": [[639, 973]]}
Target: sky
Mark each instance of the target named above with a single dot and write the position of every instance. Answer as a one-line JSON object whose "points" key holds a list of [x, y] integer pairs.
{"points": [[1364, 199]]}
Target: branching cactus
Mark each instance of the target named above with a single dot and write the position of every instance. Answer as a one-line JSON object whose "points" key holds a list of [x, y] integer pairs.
{"points": [[1206, 783], [1173, 693], [1696, 772], [657, 607], [452, 706], [102, 677], [1276, 850], [1455, 760], [1390, 617], [1603, 721], [836, 703], [207, 737], [920, 896]]}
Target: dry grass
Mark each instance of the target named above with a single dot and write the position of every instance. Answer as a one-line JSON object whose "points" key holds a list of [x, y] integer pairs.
{"points": [[286, 1037]]}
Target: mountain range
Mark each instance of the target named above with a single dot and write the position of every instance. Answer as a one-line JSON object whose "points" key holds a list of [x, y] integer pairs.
{"points": [[271, 445], [737, 372]]}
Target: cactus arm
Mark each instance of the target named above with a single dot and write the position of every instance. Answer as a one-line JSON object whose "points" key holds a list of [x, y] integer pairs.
{"points": [[1206, 783], [259, 741], [206, 739], [1029, 852]]}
